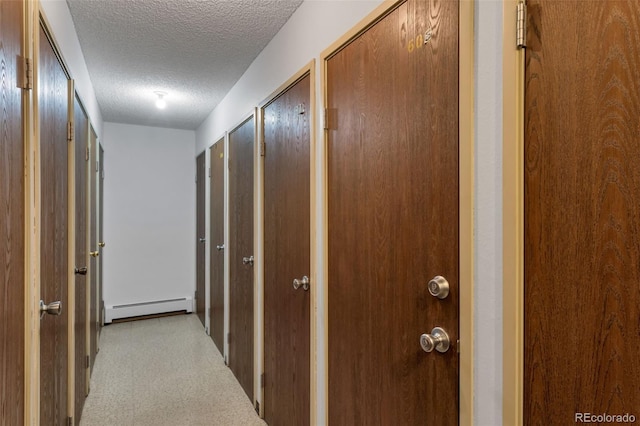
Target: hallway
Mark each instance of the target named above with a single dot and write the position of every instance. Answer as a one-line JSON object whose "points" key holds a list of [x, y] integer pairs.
{"points": [[163, 371]]}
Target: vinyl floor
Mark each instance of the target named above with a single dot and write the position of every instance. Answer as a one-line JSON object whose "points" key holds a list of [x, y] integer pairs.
{"points": [[163, 371]]}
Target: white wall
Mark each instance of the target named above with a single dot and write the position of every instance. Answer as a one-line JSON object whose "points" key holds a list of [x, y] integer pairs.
{"points": [[488, 214], [313, 28], [149, 213], [61, 25]]}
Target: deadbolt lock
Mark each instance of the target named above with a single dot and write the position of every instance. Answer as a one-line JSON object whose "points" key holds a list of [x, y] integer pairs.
{"points": [[439, 287]]}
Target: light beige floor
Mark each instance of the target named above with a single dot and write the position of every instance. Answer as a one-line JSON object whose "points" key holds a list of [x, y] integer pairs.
{"points": [[163, 371]]}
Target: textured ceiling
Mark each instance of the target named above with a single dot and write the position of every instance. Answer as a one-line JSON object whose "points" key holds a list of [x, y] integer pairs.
{"points": [[194, 50]]}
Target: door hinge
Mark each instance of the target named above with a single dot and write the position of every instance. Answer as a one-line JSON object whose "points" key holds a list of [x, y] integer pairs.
{"points": [[228, 338], [258, 407], [521, 26], [263, 149], [70, 132], [326, 118], [86, 364], [262, 380], [69, 421], [209, 171], [25, 73], [86, 154]]}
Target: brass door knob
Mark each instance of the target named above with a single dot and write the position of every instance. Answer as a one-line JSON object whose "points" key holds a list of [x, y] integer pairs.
{"points": [[101, 244], [94, 253]]}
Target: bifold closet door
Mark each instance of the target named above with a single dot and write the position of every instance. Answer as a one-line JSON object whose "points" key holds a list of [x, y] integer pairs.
{"points": [[240, 338], [12, 219], [287, 218], [217, 244], [392, 95], [200, 236], [582, 212], [81, 290], [53, 104]]}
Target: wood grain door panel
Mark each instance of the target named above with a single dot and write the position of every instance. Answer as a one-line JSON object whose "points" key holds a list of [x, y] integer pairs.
{"points": [[241, 142], [100, 307], [12, 218], [53, 101], [217, 239], [200, 236], [582, 210], [287, 256], [93, 244], [81, 291], [393, 218]]}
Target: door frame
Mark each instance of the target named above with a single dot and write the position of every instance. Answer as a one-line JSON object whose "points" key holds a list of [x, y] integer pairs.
{"points": [[308, 70], [34, 16], [466, 202], [513, 68], [31, 134]]}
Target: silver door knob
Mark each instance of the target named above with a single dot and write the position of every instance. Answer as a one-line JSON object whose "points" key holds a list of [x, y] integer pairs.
{"points": [[438, 340], [53, 308], [304, 283], [220, 247], [247, 260], [439, 287], [202, 240]]}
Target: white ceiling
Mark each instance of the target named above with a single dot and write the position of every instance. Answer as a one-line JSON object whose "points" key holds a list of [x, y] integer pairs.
{"points": [[194, 50]]}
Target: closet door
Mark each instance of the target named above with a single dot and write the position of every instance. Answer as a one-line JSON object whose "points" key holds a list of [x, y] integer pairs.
{"points": [[53, 103], [12, 218], [241, 142], [217, 244], [200, 236], [81, 260], [287, 253]]}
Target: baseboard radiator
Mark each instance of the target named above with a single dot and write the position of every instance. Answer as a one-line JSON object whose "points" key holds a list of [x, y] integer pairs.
{"points": [[147, 308]]}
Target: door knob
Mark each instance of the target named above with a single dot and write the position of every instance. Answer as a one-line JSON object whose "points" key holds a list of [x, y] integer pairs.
{"points": [[53, 308], [438, 340], [220, 247], [94, 253], [202, 240], [304, 283], [81, 271], [101, 244], [439, 287], [247, 260]]}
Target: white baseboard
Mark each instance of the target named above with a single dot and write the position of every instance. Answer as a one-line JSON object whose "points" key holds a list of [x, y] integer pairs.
{"points": [[147, 308]]}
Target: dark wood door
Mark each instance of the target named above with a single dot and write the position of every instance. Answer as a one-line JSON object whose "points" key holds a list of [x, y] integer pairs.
{"points": [[393, 218], [12, 218], [241, 142], [53, 102], [81, 291], [582, 210], [200, 236], [217, 244], [287, 256], [95, 247], [100, 302]]}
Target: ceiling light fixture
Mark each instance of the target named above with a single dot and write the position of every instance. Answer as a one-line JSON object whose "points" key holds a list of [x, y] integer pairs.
{"points": [[160, 102]]}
